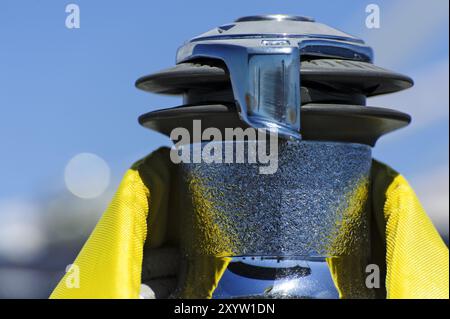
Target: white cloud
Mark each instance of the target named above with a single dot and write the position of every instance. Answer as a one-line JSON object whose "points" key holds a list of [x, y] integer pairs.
{"points": [[21, 234], [433, 191], [407, 27]]}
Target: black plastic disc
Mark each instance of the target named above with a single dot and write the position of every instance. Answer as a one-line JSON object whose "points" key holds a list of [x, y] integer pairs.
{"points": [[337, 75], [322, 122]]}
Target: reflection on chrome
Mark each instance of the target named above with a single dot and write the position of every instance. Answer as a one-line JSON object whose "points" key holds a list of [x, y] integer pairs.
{"points": [[274, 277], [259, 277]]}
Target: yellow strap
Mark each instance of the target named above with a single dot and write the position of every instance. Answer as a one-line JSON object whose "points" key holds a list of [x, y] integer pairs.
{"points": [[109, 265], [417, 258], [407, 246]]}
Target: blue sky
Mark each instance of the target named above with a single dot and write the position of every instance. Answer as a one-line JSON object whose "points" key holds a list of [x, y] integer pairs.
{"points": [[64, 92]]}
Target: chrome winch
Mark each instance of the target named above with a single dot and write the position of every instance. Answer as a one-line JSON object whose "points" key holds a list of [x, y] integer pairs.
{"points": [[293, 233]]}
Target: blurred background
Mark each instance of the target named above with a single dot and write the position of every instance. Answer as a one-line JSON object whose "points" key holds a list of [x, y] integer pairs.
{"points": [[68, 109]]}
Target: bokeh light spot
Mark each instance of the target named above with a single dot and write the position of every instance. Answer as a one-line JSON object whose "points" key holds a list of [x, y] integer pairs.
{"points": [[87, 175]]}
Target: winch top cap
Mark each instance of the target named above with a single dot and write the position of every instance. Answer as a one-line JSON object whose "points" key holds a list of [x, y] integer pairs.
{"points": [[275, 26], [277, 17], [262, 55], [274, 69]]}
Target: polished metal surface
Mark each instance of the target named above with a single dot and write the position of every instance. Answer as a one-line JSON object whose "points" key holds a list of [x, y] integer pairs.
{"points": [[262, 55], [266, 83], [276, 25], [262, 277], [274, 277], [276, 17]]}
